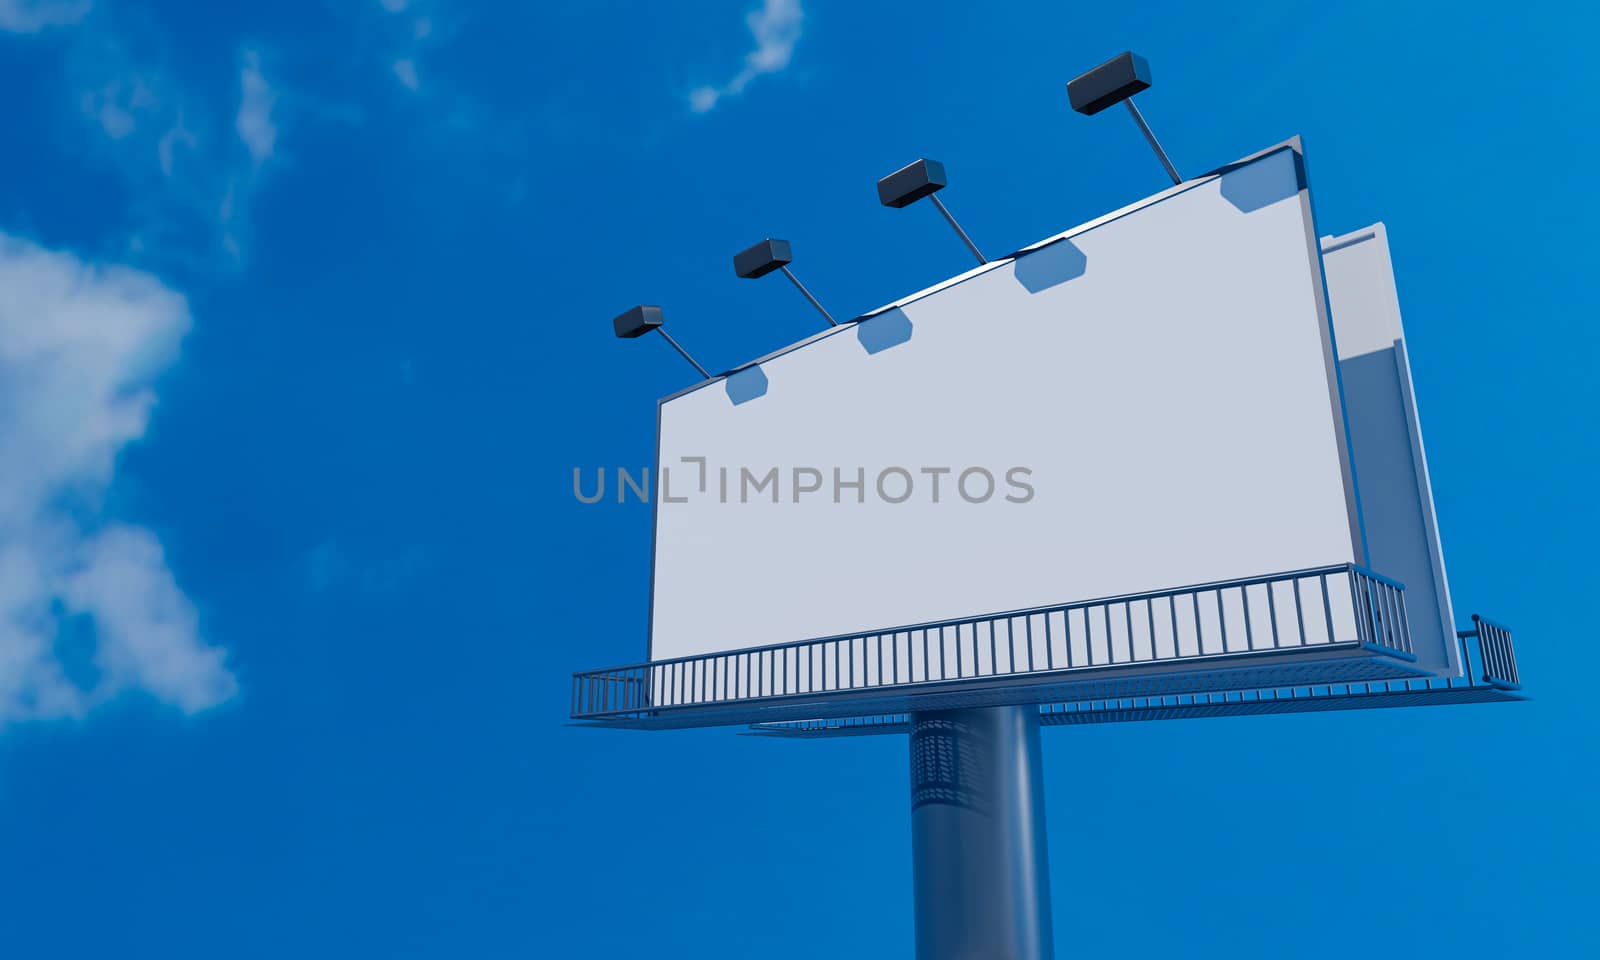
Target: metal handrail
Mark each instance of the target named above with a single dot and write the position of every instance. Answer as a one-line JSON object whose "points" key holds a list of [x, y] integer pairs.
{"points": [[1496, 656], [1037, 640]]}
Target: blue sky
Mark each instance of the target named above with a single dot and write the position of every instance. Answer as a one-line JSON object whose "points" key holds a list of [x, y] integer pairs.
{"points": [[304, 323]]}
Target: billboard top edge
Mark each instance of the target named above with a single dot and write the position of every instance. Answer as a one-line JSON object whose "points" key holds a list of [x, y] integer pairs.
{"points": [[1293, 143], [1335, 242]]}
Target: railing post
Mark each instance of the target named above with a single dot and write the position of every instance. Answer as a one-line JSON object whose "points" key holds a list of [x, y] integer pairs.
{"points": [[1511, 659], [1483, 649]]}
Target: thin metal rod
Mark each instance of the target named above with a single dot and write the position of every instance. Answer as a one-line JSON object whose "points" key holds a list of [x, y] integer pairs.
{"points": [[1154, 145], [675, 346], [959, 232], [814, 302]]}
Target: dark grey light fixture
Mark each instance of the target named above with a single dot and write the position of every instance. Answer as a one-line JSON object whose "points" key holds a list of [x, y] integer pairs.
{"points": [[643, 319], [770, 255], [911, 183], [1118, 79]]}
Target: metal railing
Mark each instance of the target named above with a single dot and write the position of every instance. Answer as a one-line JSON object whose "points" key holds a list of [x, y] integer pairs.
{"points": [[1304, 609], [1496, 657], [1490, 678]]}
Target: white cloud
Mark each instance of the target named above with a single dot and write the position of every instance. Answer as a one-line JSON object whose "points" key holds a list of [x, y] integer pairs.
{"points": [[79, 347], [776, 28], [405, 71], [254, 120], [31, 16]]}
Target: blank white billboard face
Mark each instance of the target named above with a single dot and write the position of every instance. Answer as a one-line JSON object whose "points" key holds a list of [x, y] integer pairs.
{"points": [[1147, 401]]}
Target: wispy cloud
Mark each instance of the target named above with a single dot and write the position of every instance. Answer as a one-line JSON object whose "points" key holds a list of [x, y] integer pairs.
{"points": [[79, 347], [192, 157], [405, 70], [176, 136], [254, 119], [420, 27], [776, 28], [122, 104], [257, 129], [31, 16]]}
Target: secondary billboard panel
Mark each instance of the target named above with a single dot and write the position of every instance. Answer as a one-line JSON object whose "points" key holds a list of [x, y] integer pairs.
{"points": [[1146, 401], [1386, 436]]}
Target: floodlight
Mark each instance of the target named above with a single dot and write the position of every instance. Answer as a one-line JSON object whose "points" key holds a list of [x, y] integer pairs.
{"points": [[1118, 79], [911, 183], [770, 255], [643, 319]]}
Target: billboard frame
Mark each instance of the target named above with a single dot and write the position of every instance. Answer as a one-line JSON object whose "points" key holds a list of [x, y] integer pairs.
{"points": [[1336, 399]]}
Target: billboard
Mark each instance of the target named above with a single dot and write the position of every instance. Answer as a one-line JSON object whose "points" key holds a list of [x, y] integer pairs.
{"points": [[1147, 401]]}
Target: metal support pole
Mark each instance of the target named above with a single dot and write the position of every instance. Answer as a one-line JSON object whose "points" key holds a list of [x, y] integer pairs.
{"points": [[814, 301], [959, 232], [684, 352], [1154, 145], [979, 860]]}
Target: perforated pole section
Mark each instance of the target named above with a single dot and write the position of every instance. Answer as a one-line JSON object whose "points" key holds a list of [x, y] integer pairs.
{"points": [[949, 762]]}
